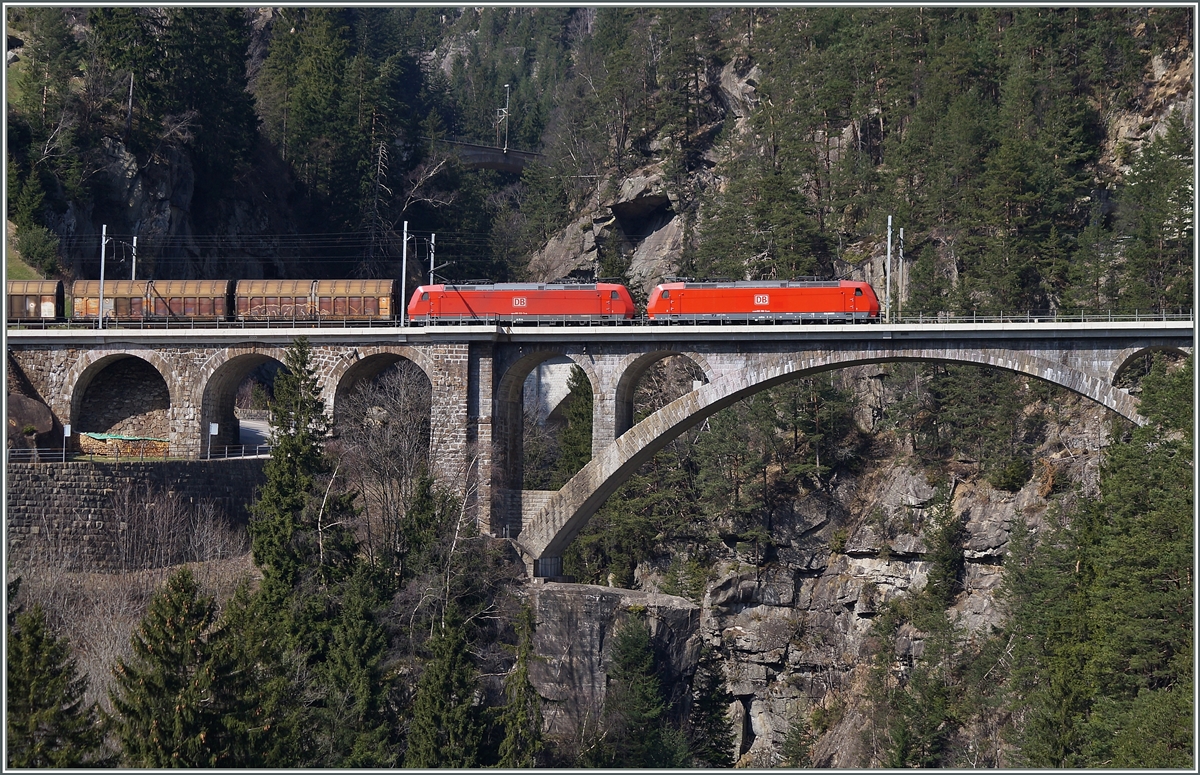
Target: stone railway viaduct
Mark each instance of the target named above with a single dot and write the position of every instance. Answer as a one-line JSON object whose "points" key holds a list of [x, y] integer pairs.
{"points": [[176, 382]]}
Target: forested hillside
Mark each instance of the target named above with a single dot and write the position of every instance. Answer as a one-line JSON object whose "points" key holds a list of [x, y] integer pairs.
{"points": [[903, 565], [1038, 158]]}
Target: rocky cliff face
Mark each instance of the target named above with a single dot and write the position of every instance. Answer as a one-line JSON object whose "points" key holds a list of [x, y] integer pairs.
{"points": [[573, 642], [640, 215], [794, 631], [152, 196]]}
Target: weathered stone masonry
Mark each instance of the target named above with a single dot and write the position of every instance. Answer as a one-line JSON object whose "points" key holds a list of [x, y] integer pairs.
{"points": [[73, 503]]}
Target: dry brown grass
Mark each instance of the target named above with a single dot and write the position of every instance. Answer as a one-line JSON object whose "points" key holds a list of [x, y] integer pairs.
{"points": [[97, 612], [156, 534]]}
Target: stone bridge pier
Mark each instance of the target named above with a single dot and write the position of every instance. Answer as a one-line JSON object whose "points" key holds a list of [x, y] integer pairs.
{"points": [[174, 384]]}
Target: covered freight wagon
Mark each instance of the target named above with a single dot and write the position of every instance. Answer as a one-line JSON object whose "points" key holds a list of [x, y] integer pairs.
{"points": [[267, 299], [123, 299], [191, 299], [35, 300], [355, 299]]}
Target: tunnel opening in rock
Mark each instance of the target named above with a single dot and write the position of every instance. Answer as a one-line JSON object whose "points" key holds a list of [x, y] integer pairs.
{"points": [[641, 217]]}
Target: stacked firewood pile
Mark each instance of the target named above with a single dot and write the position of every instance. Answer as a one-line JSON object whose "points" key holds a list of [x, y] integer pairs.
{"points": [[122, 446]]}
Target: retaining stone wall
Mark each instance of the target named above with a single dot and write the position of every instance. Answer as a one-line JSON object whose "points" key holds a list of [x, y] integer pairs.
{"points": [[74, 501]]}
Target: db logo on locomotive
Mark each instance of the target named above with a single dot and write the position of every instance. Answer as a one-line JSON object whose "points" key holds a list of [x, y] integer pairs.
{"points": [[761, 299], [518, 301]]}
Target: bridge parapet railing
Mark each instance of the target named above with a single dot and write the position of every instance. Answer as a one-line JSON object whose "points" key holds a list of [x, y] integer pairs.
{"points": [[60, 455], [1048, 316], [239, 450]]}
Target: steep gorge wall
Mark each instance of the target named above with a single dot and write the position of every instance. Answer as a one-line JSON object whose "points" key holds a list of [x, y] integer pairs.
{"points": [[793, 631]]}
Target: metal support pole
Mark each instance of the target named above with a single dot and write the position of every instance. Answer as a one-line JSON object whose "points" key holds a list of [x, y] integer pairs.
{"points": [[133, 273], [506, 96], [103, 243], [902, 281], [887, 294], [404, 278], [432, 249]]}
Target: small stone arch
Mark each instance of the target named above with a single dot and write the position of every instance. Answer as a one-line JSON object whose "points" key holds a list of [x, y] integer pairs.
{"points": [[508, 387], [139, 405], [508, 422], [1126, 357], [219, 379], [93, 362], [632, 371], [364, 363]]}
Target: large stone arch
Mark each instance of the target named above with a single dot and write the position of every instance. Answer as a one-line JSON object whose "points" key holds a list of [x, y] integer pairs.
{"points": [[93, 363], [549, 532], [217, 386], [633, 369]]}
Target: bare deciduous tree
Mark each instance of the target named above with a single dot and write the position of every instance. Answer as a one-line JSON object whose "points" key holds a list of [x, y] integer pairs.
{"points": [[383, 446]]}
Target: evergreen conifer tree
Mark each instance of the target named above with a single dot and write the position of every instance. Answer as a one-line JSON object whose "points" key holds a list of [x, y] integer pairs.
{"points": [[353, 722], [638, 733], [311, 632], [171, 701], [1156, 213], [521, 718], [575, 441], [47, 723], [298, 427], [711, 730], [446, 726], [1102, 666]]}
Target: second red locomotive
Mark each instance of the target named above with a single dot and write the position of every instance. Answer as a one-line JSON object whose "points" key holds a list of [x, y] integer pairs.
{"points": [[798, 301]]}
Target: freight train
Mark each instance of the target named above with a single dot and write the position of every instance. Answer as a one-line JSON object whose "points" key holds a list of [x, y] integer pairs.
{"points": [[377, 301], [148, 301]]}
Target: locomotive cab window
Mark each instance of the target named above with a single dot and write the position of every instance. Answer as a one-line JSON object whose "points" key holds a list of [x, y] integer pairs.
{"points": [[666, 294], [425, 296], [614, 295], [858, 291]]}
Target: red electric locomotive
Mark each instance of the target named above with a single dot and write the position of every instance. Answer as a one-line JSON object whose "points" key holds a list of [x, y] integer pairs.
{"points": [[800, 301], [522, 302]]}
